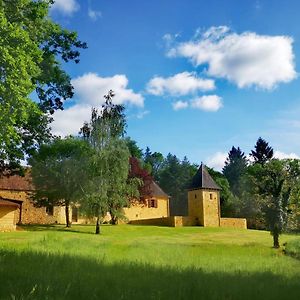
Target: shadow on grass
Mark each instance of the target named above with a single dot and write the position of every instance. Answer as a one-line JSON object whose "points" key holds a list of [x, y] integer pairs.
{"points": [[31, 275], [59, 228]]}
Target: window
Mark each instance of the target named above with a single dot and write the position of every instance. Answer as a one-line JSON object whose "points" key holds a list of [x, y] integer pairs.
{"points": [[195, 196], [49, 210], [211, 196], [152, 203]]}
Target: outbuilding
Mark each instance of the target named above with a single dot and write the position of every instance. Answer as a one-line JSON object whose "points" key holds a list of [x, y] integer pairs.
{"points": [[8, 215]]}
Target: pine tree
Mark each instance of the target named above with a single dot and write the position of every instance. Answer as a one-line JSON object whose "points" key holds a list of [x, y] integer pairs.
{"points": [[263, 152], [235, 167]]}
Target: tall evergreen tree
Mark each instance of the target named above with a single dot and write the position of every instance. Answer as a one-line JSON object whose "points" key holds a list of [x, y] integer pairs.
{"points": [[262, 151], [235, 167]]}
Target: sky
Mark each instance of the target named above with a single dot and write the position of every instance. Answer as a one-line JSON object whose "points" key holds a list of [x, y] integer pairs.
{"points": [[196, 77]]}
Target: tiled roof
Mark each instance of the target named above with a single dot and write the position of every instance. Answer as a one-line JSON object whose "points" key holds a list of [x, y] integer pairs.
{"points": [[202, 180], [16, 182], [156, 190]]}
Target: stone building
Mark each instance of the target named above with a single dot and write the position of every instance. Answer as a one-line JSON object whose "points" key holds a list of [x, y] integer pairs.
{"points": [[203, 206], [155, 205], [204, 203], [204, 199], [16, 206]]}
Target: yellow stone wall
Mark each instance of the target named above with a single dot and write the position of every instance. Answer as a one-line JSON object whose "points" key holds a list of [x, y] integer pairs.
{"points": [[204, 205], [141, 211], [233, 223], [7, 218], [33, 215], [195, 206]]}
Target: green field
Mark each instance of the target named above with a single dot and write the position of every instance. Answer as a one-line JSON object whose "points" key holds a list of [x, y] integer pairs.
{"points": [[145, 262]]}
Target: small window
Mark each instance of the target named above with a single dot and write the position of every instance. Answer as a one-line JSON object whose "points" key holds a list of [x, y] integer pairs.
{"points": [[195, 196], [49, 210], [152, 203], [210, 196]]}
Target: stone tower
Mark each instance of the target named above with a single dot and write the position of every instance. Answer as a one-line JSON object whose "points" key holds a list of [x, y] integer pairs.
{"points": [[204, 199]]}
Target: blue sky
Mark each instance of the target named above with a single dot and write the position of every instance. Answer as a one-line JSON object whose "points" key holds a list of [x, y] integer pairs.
{"points": [[197, 77]]}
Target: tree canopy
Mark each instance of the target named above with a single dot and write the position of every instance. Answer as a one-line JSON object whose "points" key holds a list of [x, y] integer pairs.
{"points": [[32, 47], [58, 173]]}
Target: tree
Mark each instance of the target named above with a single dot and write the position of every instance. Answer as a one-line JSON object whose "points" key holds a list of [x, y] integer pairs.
{"points": [[136, 171], [58, 173], [174, 178], [108, 186], [235, 167], [274, 182], [31, 48], [134, 150], [262, 152], [153, 162]]}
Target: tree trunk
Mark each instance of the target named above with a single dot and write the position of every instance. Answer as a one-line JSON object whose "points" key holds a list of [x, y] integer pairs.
{"points": [[114, 220], [276, 240], [67, 216], [97, 226]]}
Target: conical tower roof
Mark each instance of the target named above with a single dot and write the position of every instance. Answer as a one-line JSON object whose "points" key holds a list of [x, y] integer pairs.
{"points": [[202, 180]]}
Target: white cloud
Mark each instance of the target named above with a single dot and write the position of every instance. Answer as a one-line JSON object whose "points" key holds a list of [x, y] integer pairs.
{"points": [[89, 90], [180, 105], [217, 160], [247, 59], [67, 7], [282, 155], [70, 120], [91, 87], [180, 84], [94, 14], [207, 103]]}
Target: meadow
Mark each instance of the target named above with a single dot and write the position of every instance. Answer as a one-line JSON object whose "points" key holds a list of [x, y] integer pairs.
{"points": [[145, 262]]}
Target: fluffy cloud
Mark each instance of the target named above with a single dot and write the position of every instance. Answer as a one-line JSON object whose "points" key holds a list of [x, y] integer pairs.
{"points": [[247, 59], [91, 87], [89, 90], [180, 105], [217, 160], [207, 103], [282, 155], [94, 14], [70, 120], [178, 85], [67, 7]]}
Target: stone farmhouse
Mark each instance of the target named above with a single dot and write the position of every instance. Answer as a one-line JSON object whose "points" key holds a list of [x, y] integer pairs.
{"points": [[16, 206]]}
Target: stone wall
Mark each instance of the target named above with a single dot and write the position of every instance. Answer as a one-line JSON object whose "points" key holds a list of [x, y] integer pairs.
{"points": [[29, 214], [211, 208], [173, 221], [195, 205], [233, 223], [205, 206], [141, 211]]}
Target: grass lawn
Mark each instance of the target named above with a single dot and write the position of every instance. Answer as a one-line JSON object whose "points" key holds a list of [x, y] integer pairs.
{"points": [[145, 262]]}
